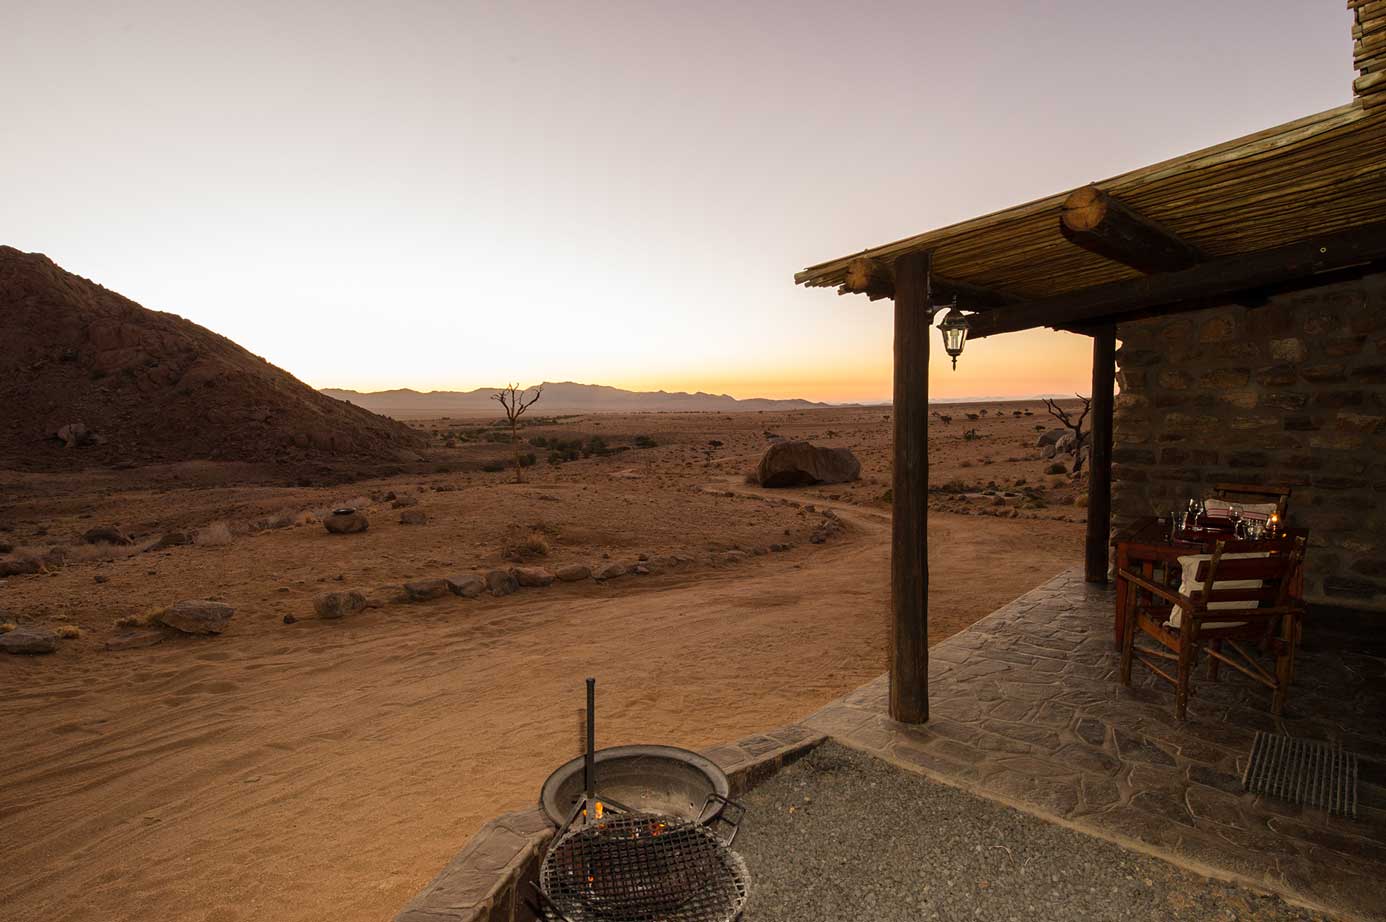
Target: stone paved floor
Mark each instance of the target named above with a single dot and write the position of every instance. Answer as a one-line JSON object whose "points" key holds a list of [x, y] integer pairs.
{"points": [[1025, 707]]}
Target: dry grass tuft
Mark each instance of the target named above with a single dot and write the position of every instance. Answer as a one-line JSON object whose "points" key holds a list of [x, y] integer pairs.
{"points": [[214, 535], [140, 620], [535, 544], [69, 631], [7, 626]]}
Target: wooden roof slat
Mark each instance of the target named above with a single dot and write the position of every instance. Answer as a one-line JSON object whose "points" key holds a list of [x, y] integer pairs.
{"points": [[1246, 194]]}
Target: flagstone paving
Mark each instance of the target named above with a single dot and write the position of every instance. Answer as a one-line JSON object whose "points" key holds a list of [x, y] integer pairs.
{"points": [[1025, 707]]}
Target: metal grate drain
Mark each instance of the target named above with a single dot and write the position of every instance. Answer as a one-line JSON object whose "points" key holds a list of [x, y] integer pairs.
{"points": [[1303, 772]]}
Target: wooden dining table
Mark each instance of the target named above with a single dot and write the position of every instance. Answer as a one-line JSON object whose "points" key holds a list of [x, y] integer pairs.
{"points": [[1145, 547]]}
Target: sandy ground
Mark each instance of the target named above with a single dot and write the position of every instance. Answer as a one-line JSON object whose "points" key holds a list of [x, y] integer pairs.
{"points": [[328, 769]]}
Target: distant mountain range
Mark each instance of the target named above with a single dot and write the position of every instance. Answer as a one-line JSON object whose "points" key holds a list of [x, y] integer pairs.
{"points": [[560, 397]]}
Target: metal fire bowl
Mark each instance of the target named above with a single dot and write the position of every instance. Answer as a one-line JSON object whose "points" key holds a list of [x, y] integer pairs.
{"points": [[649, 779]]}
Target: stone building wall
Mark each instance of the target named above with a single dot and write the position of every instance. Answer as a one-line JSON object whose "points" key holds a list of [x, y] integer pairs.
{"points": [[1293, 391]]}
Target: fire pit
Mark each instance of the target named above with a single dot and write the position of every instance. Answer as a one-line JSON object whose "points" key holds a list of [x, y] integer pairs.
{"points": [[650, 779], [613, 861]]}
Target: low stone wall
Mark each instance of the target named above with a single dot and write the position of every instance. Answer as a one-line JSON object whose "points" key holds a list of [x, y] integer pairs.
{"points": [[491, 879], [1293, 391]]}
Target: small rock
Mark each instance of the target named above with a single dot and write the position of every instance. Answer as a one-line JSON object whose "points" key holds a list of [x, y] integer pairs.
{"points": [[422, 590], [333, 605], [404, 501], [100, 578], [29, 640], [197, 616], [172, 539], [342, 522], [290, 619], [640, 570], [501, 582], [734, 556], [131, 640], [1057, 467], [573, 572], [532, 576], [413, 517], [468, 585], [106, 534], [609, 571]]}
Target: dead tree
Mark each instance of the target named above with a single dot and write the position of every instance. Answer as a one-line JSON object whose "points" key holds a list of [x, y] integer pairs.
{"points": [[1062, 416], [513, 399]]}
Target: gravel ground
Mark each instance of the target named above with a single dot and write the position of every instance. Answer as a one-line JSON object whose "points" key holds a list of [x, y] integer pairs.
{"points": [[843, 836]]}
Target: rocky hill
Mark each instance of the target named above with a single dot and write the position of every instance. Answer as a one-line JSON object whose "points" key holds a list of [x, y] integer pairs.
{"points": [[88, 376], [560, 397]]}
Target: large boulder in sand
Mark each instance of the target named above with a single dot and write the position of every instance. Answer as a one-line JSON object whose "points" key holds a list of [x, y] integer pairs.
{"points": [[1050, 437], [197, 616], [346, 521], [797, 464], [573, 572], [29, 640], [106, 534]]}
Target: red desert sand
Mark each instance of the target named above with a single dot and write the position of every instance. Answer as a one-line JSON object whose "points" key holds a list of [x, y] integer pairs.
{"points": [[327, 769]]}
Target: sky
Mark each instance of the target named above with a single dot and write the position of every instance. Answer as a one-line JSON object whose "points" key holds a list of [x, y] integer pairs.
{"points": [[448, 195]]}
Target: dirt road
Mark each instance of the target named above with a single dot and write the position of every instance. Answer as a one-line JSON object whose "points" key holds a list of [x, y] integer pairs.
{"points": [[327, 772]]}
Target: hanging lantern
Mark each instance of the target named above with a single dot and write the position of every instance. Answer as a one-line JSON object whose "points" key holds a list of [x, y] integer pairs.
{"points": [[953, 326]]}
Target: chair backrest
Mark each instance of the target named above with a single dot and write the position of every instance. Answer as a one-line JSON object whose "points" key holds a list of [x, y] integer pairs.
{"points": [[1272, 575], [1277, 493]]}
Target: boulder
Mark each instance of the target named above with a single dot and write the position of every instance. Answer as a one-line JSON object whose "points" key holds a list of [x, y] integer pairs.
{"points": [[197, 616], [18, 566], [74, 435], [422, 590], [609, 571], [346, 521], [106, 534], [1056, 468], [795, 464], [501, 582], [413, 517], [1048, 451], [29, 640], [532, 576], [573, 572], [1050, 437], [468, 585], [333, 605]]}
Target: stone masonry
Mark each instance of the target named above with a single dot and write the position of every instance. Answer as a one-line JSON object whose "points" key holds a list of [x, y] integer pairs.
{"points": [[1292, 391]]}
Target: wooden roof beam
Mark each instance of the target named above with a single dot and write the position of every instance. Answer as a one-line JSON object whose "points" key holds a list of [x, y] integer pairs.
{"points": [[1223, 279], [875, 278], [1105, 225]]}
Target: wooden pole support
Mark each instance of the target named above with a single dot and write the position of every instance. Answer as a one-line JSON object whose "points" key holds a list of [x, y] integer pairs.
{"points": [[1100, 463], [1101, 224], [909, 556]]}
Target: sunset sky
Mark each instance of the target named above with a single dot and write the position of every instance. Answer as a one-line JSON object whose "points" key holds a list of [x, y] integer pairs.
{"points": [[446, 195]]}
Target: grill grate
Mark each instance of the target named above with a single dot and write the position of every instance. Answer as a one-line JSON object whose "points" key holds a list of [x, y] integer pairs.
{"points": [[1303, 772], [640, 867]]}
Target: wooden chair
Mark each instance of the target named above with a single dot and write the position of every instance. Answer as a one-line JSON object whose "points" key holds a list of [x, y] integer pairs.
{"points": [[1277, 493], [1264, 613]]}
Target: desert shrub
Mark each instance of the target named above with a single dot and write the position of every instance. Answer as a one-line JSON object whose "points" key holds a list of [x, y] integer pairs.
{"points": [[1040, 427], [714, 443], [214, 535], [596, 445], [143, 619], [971, 435], [527, 460], [493, 467], [645, 441], [69, 631], [945, 419], [539, 441], [532, 545]]}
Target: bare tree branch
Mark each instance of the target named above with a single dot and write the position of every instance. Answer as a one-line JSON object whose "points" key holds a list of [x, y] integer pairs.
{"points": [[512, 399], [1062, 416]]}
